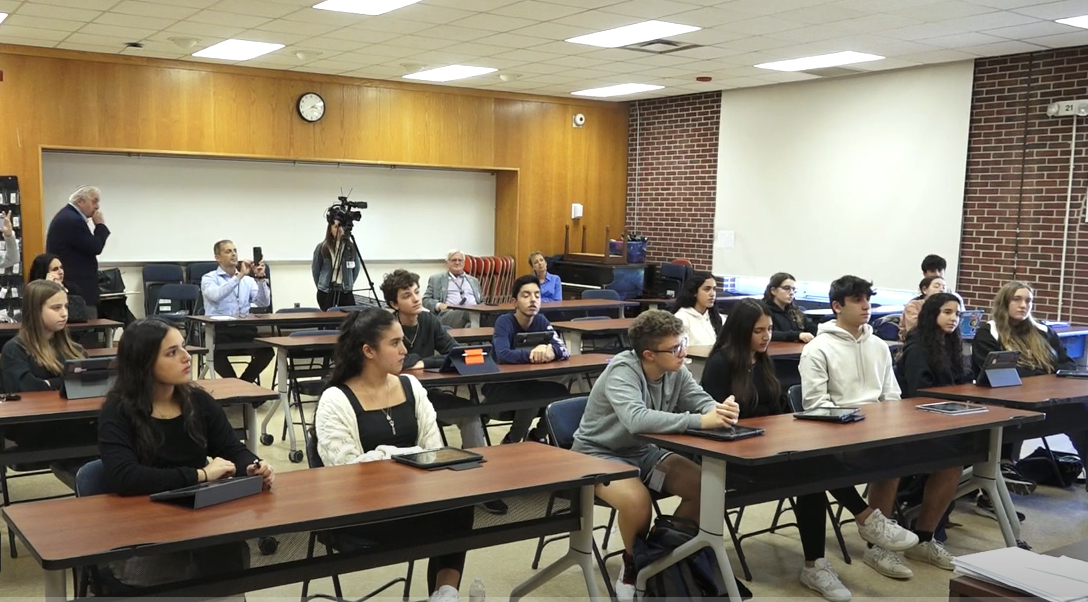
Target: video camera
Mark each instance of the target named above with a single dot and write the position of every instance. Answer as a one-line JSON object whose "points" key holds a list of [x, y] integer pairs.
{"points": [[342, 212]]}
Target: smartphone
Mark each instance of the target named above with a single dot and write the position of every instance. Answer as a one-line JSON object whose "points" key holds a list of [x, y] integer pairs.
{"points": [[258, 256]]}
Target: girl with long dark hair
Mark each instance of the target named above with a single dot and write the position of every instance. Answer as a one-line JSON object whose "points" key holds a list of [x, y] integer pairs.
{"points": [[933, 353], [372, 412], [335, 267], [790, 322], [695, 308]]}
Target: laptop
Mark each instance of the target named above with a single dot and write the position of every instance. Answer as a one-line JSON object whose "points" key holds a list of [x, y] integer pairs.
{"points": [[88, 377], [469, 359], [1000, 368], [970, 321], [528, 340]]}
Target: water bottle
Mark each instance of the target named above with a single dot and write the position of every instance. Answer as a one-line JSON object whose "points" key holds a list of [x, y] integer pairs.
{"points": [[476, 593]]}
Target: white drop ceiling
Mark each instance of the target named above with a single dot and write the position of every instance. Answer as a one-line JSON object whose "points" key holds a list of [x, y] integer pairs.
{"points": [[523, 39]]}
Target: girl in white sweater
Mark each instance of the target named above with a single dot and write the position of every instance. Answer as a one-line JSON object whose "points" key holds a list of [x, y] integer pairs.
{"points": [[370, 412], [695, 308]]}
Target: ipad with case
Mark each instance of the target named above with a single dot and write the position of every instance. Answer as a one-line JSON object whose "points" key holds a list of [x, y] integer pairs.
{"points": [[1000, 368]]}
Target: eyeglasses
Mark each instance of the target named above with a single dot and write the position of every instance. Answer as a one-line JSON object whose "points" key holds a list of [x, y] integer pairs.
{"points": [[676, 350], [788, 289]]}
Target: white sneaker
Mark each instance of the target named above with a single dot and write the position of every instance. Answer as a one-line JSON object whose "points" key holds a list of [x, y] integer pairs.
{"points": [[887, 563], [823, 580], [933, 553], [446, 593], [886, 533], [625, 592]]}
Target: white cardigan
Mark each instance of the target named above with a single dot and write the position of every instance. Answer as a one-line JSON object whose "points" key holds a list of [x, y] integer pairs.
{"points": [[337, 428], [697, 327]]}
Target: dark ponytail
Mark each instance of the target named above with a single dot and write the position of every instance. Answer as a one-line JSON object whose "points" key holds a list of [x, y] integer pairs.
{"points": [[363, 327]]}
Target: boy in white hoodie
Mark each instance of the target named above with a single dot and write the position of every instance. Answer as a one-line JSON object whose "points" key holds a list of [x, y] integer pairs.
{"points": [[847, 366]]}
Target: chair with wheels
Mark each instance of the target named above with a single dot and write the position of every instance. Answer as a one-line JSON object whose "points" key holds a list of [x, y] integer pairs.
{"points": [[306, 374], [338, 541]]}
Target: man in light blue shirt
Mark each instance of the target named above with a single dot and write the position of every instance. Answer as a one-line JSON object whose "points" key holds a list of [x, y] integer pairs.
{"points": [[230, 290]]}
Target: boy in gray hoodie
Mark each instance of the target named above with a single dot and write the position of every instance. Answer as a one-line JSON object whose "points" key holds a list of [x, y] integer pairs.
{"points": [[648, 390]]}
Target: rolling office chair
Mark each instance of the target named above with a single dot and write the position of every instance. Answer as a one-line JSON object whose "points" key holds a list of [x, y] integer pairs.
{"points": [[337, 541]]}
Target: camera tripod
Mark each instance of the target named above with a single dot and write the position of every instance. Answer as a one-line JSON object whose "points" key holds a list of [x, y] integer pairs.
{"points": [[336, 292]]}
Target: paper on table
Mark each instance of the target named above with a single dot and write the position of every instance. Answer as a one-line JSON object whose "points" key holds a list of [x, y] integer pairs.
{"points": [[220, 318], [1055, 579]]}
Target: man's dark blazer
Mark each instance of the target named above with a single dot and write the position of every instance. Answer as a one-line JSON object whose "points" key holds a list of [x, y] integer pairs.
{"points": [[70, 239]]}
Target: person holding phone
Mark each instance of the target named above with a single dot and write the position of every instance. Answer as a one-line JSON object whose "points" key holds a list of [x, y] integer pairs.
{"points": [[230, 290], [372, 412], [11, 244]]}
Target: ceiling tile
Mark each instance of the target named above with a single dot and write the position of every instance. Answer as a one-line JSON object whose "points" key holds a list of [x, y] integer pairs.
{"points": [[76, 4], [33, 33], [541, 11], [770, 7], [295, 27], [817, 15], [58, 12], [995, 20], [963, 39], [1055, 10], [256, 8], [390, 25], [1005, 4], [39, 23], [361, 36], [331, 44], [88, 48], [812, 33], [214, 17], [153, 9], [389, 52], [1003, 48], [419, 43], [201, 30], [880, 6], [476, 49], [649, 9], [754, 44], [589, 4], [712, 17], [113, 43], [9, 6], [709, 37], [509, 40], [435, 15], [880, 22], [273, 37], [453, 32], [129, 33], [948, 9], [1064, 40], [323, 17], [1033, 30], [493, 22], [135, 21], [477, 5], [939, 56], [575, 61], [550, 31], [563, 48], [926, 30]]}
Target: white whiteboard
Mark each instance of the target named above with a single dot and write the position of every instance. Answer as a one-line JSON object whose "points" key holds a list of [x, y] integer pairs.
{"points": [[174, 209]]}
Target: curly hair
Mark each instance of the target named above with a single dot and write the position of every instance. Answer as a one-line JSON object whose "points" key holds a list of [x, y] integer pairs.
{"points": [[652, 326], [397, 281], [943, 351]]}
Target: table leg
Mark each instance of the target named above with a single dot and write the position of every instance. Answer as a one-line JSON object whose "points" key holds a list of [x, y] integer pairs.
{"points": [[579, 553], [473, 319], [284, 400], [988, 474], [56, 586], [619, 312], [574, 342], [109, 338], [209, 342], [711, 531]]}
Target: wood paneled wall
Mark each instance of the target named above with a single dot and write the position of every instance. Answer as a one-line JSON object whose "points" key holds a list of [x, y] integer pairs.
{"points": [[68, 99]]}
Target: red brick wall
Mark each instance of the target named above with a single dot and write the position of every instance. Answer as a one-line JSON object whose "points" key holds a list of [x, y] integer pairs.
{"points": [[1018, 169], [672, 175]]}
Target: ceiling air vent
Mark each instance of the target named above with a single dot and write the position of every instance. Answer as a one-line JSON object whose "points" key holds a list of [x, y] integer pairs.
{"points": [[660, 47]]}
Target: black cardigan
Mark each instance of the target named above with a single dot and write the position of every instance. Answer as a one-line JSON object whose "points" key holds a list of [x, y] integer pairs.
{"points": [[985, 342], [915, 373], [430, 338], [784, 328], [718, 383], [20, 371], [178, 457]]}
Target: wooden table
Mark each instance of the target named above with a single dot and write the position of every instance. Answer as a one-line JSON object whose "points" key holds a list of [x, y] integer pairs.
{"points": [[788, 440], [8, 330], [969, 589], [573, 331], [75, 532], [288, 319], [475, 311]]}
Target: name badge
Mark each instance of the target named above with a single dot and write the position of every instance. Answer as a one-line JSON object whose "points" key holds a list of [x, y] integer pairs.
{"points": [[351, 265]]}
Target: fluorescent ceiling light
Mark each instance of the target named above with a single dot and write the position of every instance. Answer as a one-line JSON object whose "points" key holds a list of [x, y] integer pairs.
{"points": [[449, 73], [364, 7], [3, 16], [617, 90], [633, 34], [1081, 21], [237, 50], [821, 61]]}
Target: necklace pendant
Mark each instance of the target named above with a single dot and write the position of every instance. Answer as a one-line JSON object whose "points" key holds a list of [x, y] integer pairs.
{"points": [[392, 425]]}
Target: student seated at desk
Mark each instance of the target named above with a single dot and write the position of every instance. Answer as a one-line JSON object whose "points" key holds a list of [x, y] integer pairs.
{"points": [[49, 267], [929, 286], [935, 265], [229, 290], [157, 432], [371, 412], [526, 318], [551, 288], [933, 353], [1041, 352], [738, 368], [446, 291], [790, 322], [648, 390], [424, 337], [847, 366], [34, 361], [695, 308]]}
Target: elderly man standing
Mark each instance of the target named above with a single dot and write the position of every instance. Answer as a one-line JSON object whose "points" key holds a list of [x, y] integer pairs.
{"points": [[450, 289], [77, 235]]}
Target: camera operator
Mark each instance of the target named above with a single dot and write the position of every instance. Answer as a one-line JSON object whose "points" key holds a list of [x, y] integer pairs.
{"points": [[229, 290], [335, 267]]}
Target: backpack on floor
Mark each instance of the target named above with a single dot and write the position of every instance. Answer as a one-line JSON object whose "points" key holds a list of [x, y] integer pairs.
{"points": [[1039, 467], [697, 577]]}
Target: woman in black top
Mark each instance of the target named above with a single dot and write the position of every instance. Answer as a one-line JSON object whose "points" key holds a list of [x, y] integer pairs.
{"points": [[738, 366], [48, 266], [933, 353], [789, 321], [157, 432]]}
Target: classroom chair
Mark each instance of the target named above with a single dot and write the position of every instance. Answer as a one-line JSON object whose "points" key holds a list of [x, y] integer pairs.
{"points": [[197, 269], [176, 301], [602, 343], [155, 277], [97, 579], [561, 418], [601, 293], [887, 327], [336, 541], [306, 374]]}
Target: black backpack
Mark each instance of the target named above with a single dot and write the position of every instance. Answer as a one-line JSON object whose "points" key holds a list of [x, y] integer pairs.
{"points": [[697, 577], [1039, 467]]}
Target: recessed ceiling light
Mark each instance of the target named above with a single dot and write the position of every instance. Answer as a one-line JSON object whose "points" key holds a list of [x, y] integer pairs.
{"points": [[821, 61], [364, 7], [449, 73], [633, 34], [237, 50], [617, 90], [1081, 21], [3, 16]]}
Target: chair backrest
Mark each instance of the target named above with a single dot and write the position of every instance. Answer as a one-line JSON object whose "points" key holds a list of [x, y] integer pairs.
{"points": [[313, 458], [562, 419], [604, 293], [681, 261], [91, 479], [164, 272], [179, 292], [198, 269], [796, 401], [887, 327]]}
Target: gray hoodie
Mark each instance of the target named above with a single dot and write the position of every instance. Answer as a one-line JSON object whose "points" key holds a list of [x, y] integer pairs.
{"points": [[838, 370], [622, 404]]}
